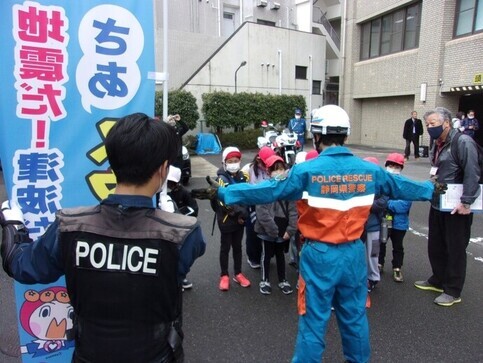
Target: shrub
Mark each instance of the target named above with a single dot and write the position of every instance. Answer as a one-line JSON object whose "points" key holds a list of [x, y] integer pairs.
{"points": [[179, 102], [226, 110], [244, 140]]}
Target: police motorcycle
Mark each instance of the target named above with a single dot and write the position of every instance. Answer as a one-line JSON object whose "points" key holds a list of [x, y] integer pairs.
{"points": [[270, 133], [287, 146], [284, 143]]}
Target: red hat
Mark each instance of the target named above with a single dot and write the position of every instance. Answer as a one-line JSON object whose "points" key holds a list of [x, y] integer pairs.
{"points": [[372, 159], [395, 158], [265, 152], [312, 154], [231, 152], [272, 160]]}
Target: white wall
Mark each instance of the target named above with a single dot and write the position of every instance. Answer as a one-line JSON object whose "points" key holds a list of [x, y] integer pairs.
{"points": [[259, 46]]}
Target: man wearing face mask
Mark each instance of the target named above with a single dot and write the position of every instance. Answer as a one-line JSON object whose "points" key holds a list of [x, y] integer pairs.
{"points": [[470, 124], [338, 188], [123, 259], [297, 126], [449, 232]]}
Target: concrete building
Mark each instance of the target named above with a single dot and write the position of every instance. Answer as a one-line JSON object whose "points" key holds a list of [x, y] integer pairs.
{"points": [[289, 46], [405, 55]]}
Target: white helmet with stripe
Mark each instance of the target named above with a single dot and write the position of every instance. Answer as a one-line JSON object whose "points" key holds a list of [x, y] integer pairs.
{"points": [[330, 120]]}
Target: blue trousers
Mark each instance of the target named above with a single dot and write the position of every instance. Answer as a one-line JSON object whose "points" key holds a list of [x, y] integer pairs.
{"points": [[334, 275]]}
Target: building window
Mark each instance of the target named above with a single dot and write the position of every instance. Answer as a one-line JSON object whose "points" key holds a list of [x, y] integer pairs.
{"points": [[469, 17], [392, 32], [316, 87], [266, 22], [300, 72]]}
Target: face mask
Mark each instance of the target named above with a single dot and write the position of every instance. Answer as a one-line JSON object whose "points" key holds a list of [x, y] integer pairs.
{"points": [[435, 132], [471, 117], [393, 170], [276, 173], [297, 117], [232, 168]]}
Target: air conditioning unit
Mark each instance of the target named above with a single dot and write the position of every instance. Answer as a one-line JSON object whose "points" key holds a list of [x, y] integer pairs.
{"points": [[262, 3], [274, 6]]}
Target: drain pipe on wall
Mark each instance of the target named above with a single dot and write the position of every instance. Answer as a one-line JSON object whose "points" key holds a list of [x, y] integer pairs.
{"points": [[279, 72], [219, 18], [311, 76]]}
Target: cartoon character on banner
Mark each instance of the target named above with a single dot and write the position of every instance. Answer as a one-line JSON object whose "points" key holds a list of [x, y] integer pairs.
{"points": [[47, 316]]}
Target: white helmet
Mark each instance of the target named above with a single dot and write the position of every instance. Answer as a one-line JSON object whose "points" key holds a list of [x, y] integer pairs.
{"points": [[330, 120]]}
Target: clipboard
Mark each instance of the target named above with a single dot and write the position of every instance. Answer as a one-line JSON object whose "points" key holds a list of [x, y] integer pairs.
{"points": [[451, 198]]}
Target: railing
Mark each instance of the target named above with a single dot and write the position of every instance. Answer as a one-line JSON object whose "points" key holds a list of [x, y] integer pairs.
{"points": [[319, 17]]}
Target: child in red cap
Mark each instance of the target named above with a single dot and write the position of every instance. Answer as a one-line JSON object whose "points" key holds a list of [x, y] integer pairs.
{"points": [[276, 224], [231, 220]]}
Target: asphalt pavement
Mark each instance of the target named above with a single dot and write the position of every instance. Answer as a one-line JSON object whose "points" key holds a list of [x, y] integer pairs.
{"points": [[242, 325]]}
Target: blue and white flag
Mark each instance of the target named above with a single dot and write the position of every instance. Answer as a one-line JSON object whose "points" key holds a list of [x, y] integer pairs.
{"points": [[69, 70]]}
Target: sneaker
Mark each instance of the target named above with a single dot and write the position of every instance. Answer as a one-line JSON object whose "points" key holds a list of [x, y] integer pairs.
{"points": [[187, 284], [285, 287], [425, 285], [242, 280], [371, 285], [446, 300], [265, 288], [381, 268], [224, 283], [253, 264], [397, 275]]}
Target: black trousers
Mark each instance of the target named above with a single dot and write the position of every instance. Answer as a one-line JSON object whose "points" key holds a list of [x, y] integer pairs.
{"points": [[231, 240], [269, 249], [397, 237], [448, 237], [253, 244], [415, 141]]}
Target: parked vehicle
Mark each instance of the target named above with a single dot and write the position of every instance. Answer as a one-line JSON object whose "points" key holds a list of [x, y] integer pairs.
{"points": [[185, 166], [270, 133], [284, 143], [287, 146]]}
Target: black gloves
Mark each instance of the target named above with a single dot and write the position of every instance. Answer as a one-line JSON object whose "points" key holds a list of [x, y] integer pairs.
{"points": [[206, 193], [439, 188], [14, 232]]}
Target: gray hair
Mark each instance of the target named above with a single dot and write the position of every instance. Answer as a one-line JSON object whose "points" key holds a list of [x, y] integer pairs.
{"points": [[443, 114]]}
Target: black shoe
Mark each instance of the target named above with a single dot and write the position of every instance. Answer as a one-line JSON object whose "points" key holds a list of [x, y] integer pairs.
{"points": [[371, 285]]}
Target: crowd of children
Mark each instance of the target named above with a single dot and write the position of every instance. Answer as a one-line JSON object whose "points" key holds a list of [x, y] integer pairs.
{"points": [[271, 229]]}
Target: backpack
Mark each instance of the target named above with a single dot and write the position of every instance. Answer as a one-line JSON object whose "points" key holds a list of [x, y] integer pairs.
{"points": [[454, 153]]}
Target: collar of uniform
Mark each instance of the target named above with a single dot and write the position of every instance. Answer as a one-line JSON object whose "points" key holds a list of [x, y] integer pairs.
{"points": [[136, 201], [336, 150]]}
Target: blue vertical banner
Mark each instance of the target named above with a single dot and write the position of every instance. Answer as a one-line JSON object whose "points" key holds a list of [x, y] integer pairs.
{"points": [[70, 69]]}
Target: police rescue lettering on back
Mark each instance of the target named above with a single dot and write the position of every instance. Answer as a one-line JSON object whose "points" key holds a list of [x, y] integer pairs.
{"points": [[341, 178]]}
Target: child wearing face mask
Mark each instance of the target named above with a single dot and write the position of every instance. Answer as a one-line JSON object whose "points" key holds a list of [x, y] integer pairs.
{"points": [[399, 209], [276, 224], [231, 220], [371, 235]]}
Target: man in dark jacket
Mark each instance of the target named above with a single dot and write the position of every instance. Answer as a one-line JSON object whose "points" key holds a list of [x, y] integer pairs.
{"points": [[449, 231], [123, 260], [413, 129]]}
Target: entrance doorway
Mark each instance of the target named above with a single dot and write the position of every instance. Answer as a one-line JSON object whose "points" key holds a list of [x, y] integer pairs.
{"points": [[474, 102]]}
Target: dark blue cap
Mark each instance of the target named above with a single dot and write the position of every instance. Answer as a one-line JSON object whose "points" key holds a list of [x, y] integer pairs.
{"points": [[297, 110]]}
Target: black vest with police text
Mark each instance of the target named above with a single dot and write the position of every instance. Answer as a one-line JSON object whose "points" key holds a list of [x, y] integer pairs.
{"points": [[121, 267]]}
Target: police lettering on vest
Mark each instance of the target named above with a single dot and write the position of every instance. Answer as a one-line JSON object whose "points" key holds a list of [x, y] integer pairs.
{"points": [[117, 257]]}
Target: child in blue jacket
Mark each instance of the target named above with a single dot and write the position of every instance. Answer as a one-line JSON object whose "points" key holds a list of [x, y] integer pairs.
{"points": [[399, 209]]}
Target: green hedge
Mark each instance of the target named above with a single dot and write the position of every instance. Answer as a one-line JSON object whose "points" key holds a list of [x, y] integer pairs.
{"points": [[243, 140], [180, 102], [226, 110]]}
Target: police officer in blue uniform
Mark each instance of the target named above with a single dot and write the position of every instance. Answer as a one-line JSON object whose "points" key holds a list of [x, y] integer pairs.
{"points": [[297, 126], [123, 259]]}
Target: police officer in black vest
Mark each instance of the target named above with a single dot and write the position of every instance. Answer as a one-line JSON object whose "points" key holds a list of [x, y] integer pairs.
{"points": [[122, 259]]}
